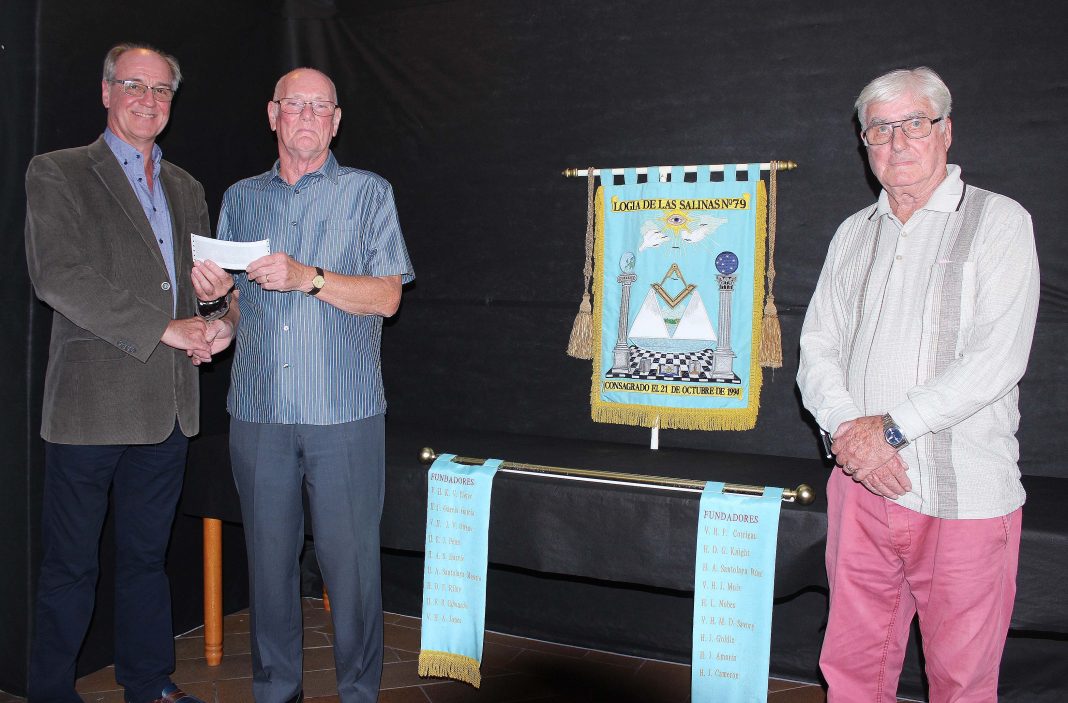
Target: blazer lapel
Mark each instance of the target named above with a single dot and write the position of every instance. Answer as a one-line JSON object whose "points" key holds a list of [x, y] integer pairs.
{"points": [[107, 169], [180, 225]]}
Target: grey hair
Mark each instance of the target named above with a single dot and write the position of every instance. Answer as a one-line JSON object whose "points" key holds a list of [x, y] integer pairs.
{"points": [[118, 50], [922, 82], [287, 74]]}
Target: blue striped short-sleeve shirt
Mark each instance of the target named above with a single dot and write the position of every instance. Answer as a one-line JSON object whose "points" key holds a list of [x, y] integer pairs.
{"points": [[297, 359]]}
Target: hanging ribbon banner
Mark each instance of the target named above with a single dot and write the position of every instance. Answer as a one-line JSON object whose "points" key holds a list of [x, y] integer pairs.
{"points": [[454, 572], [733, 589], [678, 291]]}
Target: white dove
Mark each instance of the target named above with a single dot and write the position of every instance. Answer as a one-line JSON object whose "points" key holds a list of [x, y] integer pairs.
{"points": [[707, 227], [652, 237]]}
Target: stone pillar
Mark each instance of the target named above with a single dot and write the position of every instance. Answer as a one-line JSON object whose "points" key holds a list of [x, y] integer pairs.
{"points": [[723, 357], [621, 352]]}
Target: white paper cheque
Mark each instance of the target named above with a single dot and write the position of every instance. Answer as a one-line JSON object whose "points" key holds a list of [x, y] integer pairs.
{"points": [[235, 256]]}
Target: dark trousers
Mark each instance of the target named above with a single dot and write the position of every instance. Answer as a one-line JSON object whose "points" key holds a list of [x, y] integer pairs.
{"points": [[145, 482], [342, 468]]}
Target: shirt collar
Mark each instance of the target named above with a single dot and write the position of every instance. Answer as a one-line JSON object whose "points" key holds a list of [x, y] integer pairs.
{"points": [[328, 169], [946, 197], [126, 154]]}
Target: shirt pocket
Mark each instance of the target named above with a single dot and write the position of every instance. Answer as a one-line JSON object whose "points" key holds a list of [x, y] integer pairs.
{"points": [[341, 247], [949, 309]]}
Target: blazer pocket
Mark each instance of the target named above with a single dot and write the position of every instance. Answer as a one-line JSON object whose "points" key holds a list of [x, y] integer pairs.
{"points": [[83, 350]]}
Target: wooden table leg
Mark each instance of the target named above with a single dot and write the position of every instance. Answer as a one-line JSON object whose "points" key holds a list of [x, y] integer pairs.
{"points": [[213, 629]]}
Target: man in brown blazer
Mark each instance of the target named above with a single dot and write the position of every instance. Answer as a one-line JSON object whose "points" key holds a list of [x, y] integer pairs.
{"points": [[107, 242]]}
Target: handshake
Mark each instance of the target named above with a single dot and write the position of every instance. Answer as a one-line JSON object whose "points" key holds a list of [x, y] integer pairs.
{"points": [[200, 338], [212, 329]]}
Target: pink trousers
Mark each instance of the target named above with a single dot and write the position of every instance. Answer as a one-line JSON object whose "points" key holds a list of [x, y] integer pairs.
{"points": [[885, 564]]}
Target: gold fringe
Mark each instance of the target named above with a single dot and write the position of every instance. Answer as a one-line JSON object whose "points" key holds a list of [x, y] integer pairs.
{"points": [[676, 418], [580, 343], [448, 665], [771, 333], [598, 294], [756, 376]]}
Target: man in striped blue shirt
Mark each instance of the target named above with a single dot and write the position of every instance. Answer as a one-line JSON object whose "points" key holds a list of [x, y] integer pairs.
{"points": [[306, 400]]}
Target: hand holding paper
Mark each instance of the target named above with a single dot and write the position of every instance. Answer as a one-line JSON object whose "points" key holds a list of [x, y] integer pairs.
{"points": [[210, 281], [235, 256]]}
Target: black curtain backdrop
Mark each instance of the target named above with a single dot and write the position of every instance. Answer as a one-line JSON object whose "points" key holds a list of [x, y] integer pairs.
{"points": [[19, 486], [471, 108]]}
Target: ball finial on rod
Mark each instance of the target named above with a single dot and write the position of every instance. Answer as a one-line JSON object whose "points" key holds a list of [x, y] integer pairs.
{"points": [[805, 494]]}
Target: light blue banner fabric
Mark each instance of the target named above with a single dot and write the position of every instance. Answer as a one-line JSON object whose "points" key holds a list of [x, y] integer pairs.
{"points": [[733, 589], [454, 576], [678, 286]]}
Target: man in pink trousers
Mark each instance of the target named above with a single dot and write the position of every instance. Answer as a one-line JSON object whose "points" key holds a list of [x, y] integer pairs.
{"points": [[912, 348]]}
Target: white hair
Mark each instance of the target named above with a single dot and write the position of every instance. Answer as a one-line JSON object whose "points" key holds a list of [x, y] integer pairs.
{"points": [[922, 82]]}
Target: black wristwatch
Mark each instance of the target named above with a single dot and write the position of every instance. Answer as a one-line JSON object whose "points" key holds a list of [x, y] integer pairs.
{"points": [[893, 434]]}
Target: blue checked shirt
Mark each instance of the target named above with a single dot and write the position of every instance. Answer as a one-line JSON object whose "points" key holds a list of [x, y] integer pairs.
{"points": [[299, 360]]}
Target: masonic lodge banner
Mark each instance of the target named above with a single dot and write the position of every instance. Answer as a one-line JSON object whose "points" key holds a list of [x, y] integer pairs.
{"points": [[678, 285]]}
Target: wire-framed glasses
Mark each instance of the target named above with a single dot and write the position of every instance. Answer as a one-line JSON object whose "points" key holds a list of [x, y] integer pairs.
{"points": [[135, 89], [913, 128], [295, 106]]}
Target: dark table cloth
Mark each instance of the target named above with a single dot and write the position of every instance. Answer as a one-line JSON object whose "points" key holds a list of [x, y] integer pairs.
{"points": [[637, 535]]}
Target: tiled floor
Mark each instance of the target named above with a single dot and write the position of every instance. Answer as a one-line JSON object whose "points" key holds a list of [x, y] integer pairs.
{"points": [[513, 669]]}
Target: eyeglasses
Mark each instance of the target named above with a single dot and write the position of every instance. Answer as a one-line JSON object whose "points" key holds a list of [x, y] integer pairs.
{"points": [[913, 128], [293, 106], [163, 93]]}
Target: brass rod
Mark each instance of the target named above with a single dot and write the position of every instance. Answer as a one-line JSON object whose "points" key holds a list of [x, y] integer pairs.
{"points": [[803, 494], [766, 166]]}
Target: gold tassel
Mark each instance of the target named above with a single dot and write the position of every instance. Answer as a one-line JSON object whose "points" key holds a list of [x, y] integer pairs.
{"points": [[448, 665], [580, 344], [771, 332], [771, 336]]}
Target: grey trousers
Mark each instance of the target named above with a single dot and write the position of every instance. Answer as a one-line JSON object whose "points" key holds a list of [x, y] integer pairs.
{"points": [[343, 468]]}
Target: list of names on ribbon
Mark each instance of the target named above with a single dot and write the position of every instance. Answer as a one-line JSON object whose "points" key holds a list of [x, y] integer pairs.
{"points": [[449, 517], [728, 582]]}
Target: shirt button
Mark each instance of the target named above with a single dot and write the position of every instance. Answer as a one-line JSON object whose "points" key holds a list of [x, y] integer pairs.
{"points": [[293, 223], [166, 285], [285, 328], [899, 257], [285, 366]]}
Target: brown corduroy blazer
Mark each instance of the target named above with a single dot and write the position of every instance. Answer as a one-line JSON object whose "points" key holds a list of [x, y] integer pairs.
{"points": [[93, 258]]}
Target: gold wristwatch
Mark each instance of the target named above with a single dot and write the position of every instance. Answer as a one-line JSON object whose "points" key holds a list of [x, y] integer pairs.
{"points": [[318, 282]]}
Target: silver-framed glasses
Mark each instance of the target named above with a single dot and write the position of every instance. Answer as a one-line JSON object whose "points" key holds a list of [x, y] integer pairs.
{"points": [[136, 89], [912, 127]]}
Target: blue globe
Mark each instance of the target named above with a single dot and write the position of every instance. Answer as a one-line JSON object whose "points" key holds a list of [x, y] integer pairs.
{"points": [[727, 262]]}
